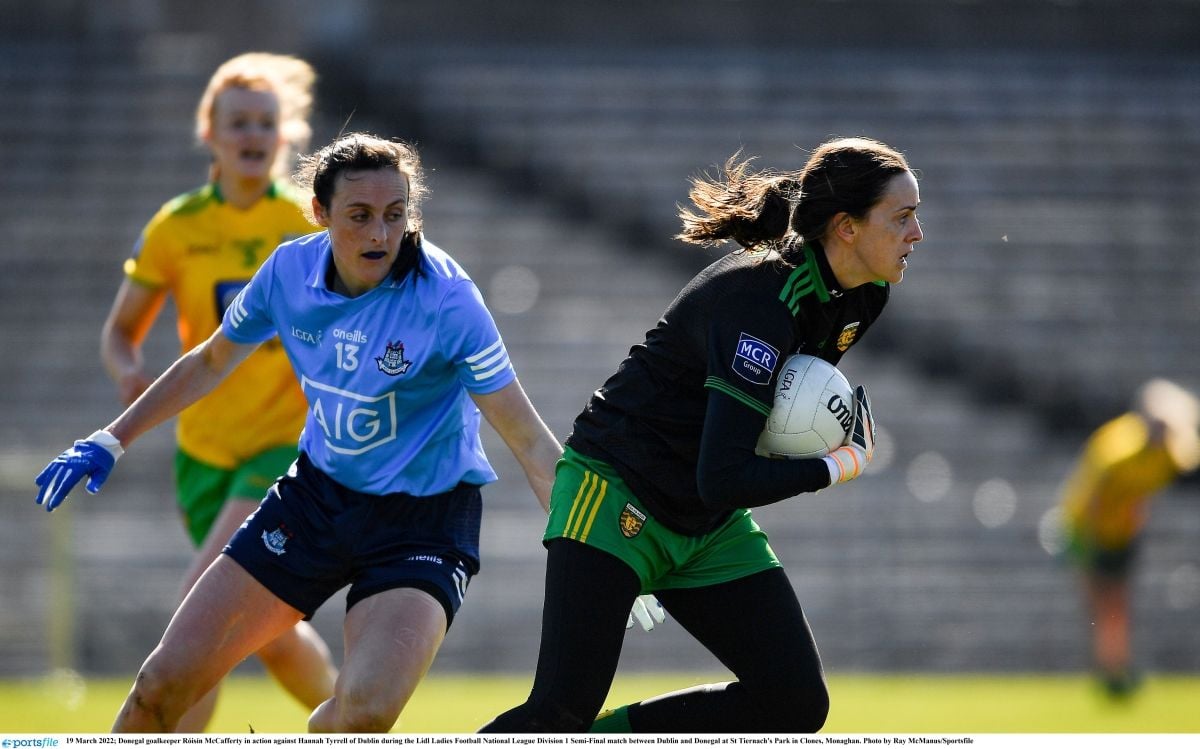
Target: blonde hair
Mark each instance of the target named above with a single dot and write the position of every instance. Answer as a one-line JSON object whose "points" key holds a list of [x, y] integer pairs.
{"points": [[289, 78], [1177, 409]]}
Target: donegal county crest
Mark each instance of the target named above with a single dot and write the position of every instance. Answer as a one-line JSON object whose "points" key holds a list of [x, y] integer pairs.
{"points": [[276, 539], [631, 521], [393, 362], [846, 339]]}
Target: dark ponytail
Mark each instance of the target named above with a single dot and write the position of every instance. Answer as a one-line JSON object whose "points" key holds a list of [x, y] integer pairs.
{"points": [[843, 175], [752, 209]]}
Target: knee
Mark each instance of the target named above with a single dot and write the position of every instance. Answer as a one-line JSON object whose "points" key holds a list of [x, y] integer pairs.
{"points": [[811, 709], [363, 710], [803, 709], [159, 692], [796, 706]]}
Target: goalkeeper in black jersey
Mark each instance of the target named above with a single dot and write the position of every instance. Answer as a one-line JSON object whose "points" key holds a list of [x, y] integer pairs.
{"points": [[654, 489]]}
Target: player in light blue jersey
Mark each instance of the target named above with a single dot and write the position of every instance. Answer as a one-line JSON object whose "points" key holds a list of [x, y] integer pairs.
{"points": [[387, 374], [398, 357]]}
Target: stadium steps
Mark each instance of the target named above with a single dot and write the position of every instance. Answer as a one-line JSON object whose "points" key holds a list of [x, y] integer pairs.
{"points": [[932, 560], [1048, 287], [999, 148]]}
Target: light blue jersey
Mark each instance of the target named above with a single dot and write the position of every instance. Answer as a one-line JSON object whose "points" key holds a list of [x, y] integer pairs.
{"points": [[387, 374]]}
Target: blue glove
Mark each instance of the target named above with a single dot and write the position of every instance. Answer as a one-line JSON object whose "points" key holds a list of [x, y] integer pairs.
{"points": [[94, 457]]}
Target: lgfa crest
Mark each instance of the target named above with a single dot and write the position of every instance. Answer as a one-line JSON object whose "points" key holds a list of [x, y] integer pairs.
{"points": [[846, 339], [276, 539], [631, 521], [393, 362]]}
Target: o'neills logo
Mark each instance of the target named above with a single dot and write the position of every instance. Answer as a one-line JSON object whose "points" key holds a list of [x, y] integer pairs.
{"points": [[631, 521], [840, 410], [353, 336]]}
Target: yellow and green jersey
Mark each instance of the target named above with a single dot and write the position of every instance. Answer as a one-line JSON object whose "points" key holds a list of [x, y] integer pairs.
{"points": [[1107, 496], [203, 251]]}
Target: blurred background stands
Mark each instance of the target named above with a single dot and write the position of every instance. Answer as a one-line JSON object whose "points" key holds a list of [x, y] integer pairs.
{"points": [[1058, 150]]}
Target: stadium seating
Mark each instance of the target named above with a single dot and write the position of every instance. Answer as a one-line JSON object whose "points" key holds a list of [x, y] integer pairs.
{"points": [[1059, 270], [1056, 211]]}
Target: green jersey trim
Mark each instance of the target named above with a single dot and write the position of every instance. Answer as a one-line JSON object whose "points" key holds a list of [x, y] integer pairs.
{"points": [[717, 383], [193, 202], [804, 280], [202, 197]]}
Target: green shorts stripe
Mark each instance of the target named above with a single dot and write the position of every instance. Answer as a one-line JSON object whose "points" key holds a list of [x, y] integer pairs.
{"points": [[586, 504], [202, 489], [592, 505]]}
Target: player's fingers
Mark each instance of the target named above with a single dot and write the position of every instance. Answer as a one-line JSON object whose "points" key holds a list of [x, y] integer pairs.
{"points": [[57, 487], [99, 476], [47, 482], [656, 610], [864, 402], [647, 610], [44, 478], [864, 422], [855, 418], [642, 616]]}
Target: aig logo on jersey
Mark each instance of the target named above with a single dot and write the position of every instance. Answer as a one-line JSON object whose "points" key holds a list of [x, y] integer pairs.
{"points": [[351, 423], [754, 360]]}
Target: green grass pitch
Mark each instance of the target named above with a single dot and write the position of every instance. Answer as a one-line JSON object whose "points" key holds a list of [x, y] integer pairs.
{"points": [[862, 704]]}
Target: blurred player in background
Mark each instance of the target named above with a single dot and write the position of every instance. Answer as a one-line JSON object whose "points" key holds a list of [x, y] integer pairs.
{"points": [[201, 248], [653, 491], [398, 356], [1105, 503]]}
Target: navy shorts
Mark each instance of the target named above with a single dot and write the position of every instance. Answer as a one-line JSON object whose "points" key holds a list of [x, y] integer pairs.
{"points": [[310, 537]]}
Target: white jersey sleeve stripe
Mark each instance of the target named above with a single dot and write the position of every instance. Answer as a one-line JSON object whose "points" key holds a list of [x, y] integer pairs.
{"points": [[238, 313], [487, 351], [501, 354], [494, 370]]}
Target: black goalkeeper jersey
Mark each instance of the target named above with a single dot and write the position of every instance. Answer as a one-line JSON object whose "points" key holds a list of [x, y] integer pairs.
{"points": [[727, 332]]}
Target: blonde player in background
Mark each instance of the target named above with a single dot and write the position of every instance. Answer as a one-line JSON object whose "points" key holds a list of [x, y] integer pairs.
{"points": [[201, 248], [1105, 503]]}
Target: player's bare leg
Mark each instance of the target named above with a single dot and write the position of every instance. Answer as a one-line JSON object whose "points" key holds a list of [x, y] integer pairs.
{"points": [[1112, 654], [391, 639], [298, 659], [227, 616]]}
